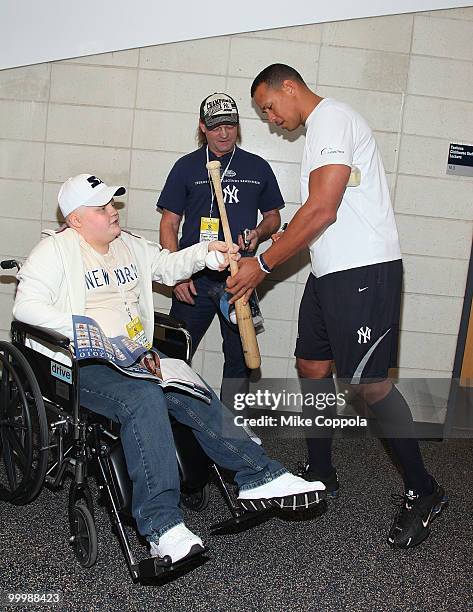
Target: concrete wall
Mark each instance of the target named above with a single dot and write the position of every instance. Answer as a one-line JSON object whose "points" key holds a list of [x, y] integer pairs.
{"points": [[127, 116]]}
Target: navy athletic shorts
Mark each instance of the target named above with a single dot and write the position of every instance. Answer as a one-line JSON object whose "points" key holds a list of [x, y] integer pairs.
{"points": [[352, 318]]}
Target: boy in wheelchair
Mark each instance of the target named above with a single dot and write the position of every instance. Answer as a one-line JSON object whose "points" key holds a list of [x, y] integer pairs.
{"points": [[93, 268]]}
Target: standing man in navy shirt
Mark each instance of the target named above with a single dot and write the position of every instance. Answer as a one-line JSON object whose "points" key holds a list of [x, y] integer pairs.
{"points": [[248, 186]]}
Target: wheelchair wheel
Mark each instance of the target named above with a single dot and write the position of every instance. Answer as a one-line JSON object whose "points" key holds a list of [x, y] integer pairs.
{"points": [[23, 429], [84, 535], [196, 500]]}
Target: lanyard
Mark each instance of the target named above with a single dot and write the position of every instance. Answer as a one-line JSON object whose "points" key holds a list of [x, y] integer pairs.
{"points": [[221, 178]]}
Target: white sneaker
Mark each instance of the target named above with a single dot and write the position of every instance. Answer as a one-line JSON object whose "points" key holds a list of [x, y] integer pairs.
{"points": [[286, 491], [178, 542]]}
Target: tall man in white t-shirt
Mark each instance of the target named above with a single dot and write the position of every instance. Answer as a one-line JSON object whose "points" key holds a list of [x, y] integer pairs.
{"points": [[349, 313]]}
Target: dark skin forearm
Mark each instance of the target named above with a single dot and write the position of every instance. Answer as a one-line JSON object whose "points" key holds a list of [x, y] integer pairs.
{"points": [[326, 188], [306, 224], [269, 224]]}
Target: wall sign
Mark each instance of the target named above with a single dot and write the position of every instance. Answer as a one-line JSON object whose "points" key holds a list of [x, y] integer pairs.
{"points": [[460, 160]]}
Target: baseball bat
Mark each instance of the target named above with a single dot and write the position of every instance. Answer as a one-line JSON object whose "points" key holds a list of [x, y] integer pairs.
{"points": [[243, 311]]}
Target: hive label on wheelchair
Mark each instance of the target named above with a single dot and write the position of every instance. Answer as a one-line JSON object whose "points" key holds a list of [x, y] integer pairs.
{"points": [[30, 598], [62, 372]]}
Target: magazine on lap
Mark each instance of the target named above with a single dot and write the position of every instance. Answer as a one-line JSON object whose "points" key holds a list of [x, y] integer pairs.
{"points": [[125, 354]]}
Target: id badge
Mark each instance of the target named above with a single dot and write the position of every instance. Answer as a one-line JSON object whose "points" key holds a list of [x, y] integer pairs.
{"points": [[136, 332], [209, 229]]}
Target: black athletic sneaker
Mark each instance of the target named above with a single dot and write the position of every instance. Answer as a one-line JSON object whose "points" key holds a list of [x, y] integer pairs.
{"points": [[411, 525], [332, 486]]}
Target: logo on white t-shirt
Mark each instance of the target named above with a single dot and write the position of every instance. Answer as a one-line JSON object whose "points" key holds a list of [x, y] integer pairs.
{"points": [[330, 151]]}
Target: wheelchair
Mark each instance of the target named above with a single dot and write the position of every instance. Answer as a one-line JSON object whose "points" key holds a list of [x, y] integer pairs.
{"points": [[46, 436]]}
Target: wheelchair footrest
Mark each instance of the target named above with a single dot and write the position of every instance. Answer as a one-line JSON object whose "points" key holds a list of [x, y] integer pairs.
{"points": [[243, 521], [157, 567]]}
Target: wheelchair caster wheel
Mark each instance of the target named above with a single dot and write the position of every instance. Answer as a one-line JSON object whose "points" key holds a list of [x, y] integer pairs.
{"points": [[197, 500], [84, 535]]}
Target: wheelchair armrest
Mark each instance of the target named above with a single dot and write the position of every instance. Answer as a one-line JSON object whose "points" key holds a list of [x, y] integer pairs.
{"points": [[168, 321], [41, 333]]}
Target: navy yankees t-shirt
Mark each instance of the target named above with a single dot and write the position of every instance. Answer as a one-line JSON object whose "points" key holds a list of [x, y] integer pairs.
{"points": [[249, 185]]}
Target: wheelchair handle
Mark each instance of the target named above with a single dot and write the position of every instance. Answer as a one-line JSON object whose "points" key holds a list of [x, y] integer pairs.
{"points": [[41, 333], [8, 264]]}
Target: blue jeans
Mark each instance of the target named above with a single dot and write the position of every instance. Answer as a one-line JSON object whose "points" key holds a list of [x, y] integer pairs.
{"points": [[198, 318], [142, 409]]}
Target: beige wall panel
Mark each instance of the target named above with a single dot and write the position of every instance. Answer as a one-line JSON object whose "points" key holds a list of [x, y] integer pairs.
{"points": [[424, 156], [428, 351], [19, 236], [458, 13], [438, 118], [7, 278], [381, 110], [442, 37], [277, 299], [239, 89], [389, 33], [175, 91], [419, 373], [433, 275], [21, 160], [208, 55], [434, 197], [307, 33], [6, 307], [149, 169], [288, 179], [142, 209], [63, 161], [435, 237], [126, 59], [248, 56], [213, 338], [90, 125], [28, 83], [212, 368], [262, 138], [388, 146], [276, 339], [431, 313], [94, 85], [165, 131], [21, 199], [441, 78], [373, 70], [23, 120]]}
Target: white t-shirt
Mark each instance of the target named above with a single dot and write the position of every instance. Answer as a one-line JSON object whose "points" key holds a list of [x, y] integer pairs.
{"points": [[365, 231], [112, 287]]}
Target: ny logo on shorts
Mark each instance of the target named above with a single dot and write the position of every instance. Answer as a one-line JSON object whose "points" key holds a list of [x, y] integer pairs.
{"points": [[364, 335]]}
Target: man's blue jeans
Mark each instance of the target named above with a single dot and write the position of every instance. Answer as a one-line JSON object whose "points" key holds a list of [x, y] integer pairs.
{"points": [[142, 409]]}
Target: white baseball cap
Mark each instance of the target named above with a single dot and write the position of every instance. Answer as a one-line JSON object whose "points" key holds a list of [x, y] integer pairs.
{"points": [[85, 190]]}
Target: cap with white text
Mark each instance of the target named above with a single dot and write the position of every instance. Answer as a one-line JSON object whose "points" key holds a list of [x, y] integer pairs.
{"points": [[218, 109], [85, 190]]}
